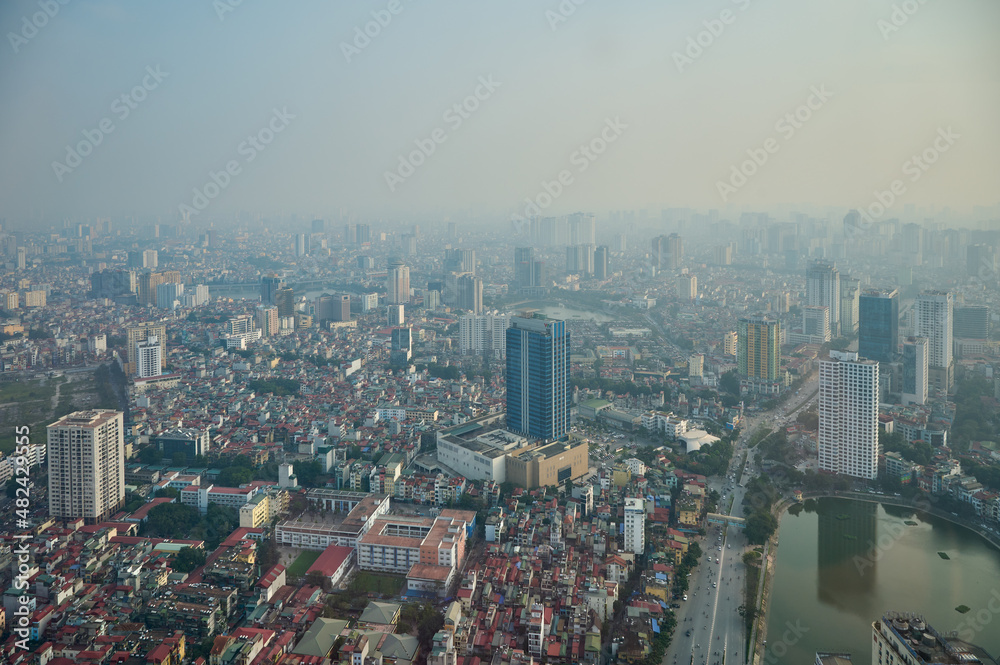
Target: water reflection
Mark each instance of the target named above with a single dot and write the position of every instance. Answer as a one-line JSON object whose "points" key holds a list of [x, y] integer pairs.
{"points": [[848, 554]]}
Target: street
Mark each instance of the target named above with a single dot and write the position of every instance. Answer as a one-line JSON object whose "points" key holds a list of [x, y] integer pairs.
{"points": [[710, 630]]}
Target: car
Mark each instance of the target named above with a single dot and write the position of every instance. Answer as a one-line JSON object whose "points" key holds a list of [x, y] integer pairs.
{"points": [[685, 596]]}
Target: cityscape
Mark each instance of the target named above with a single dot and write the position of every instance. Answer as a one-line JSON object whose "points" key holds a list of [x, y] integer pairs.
{"points": [[568, 374]]}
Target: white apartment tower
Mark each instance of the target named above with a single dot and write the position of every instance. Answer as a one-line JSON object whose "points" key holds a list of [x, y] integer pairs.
{"points": [[86, 454], [848, 415], [148, 354], [398, 283], [483, 333], [934, 319], [635, 526]]}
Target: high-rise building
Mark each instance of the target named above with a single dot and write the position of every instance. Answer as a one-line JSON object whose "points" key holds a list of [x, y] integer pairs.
{"points": [[22, 258], [848, 415], [483, 333], [460, 260], [269, 287], [687, 286], [148, 358], [971, 322], [850, 306], [915, 370], [981, 261], [319, 226], [582, 229], [722, 255], [527, 271], [396, 315], [538, 378], [169, 294], [140, 333], [601, 262], [110, 283], [823, 290], [667, 252], [696, 365], [86, 458], [620, 243], [401, 346], [933, 312], [284, 299], [816, 324], [369, 301], [398, 283], [878, 325], [302, 244], [635, 526], [580, 259], [470, 293], [267, 321], [759, 348], [730, 345], [149, 281], [10, 301]]}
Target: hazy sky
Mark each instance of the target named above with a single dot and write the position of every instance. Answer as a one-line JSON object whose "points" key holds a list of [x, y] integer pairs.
{"points": [[672, 129]]}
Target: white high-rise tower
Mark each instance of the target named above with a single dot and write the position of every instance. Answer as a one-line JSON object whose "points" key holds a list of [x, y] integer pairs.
{"points": [[848, 415]]}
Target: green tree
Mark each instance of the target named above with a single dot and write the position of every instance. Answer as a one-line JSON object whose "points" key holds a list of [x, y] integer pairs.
{"points": [[179, 459], [170, 492], [188, 559], [760, 526], [150, 455]]}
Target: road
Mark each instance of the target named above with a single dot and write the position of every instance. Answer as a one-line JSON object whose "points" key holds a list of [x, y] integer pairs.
{"points": [[710, 614]]}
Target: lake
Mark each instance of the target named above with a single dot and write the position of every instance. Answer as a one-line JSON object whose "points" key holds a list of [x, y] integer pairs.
{"points": [[842, 563]]}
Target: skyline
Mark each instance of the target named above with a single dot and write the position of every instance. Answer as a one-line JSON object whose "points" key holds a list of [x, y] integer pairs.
{"points": [[319, 126]]}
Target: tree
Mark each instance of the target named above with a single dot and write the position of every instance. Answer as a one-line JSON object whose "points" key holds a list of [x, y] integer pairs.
{"points": [[150, 455], [169, 492], [760, 526], [234, 476], [179, 459], [188, 559], [171, 520], [308, 473]]}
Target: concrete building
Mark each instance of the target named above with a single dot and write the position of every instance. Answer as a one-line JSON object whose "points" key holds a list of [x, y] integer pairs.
{"points": [[902, 638], [483, 333], [848, 415], [538, 402], [549, 464], [878, 330], [915, 370], [934, 312], [190, 441], [758, 357], [823, 290], [86, 463], [148, 358], [687, 286], [398, 283], [140, 333], [635, 526]]}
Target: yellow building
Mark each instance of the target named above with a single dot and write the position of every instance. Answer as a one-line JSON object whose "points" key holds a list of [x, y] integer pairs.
{"points": [[622, 475], [263, 508], [548, 464], [689, 513]]}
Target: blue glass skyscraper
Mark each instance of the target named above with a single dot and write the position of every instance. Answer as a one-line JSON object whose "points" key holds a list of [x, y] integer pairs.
{"points": [[538, 378], [878, 325]]}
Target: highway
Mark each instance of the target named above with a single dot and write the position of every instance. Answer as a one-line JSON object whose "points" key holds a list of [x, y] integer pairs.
{"points": [[710, 630]]}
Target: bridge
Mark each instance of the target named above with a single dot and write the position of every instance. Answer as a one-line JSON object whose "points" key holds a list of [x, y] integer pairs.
{"points": [[728, 520]]}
